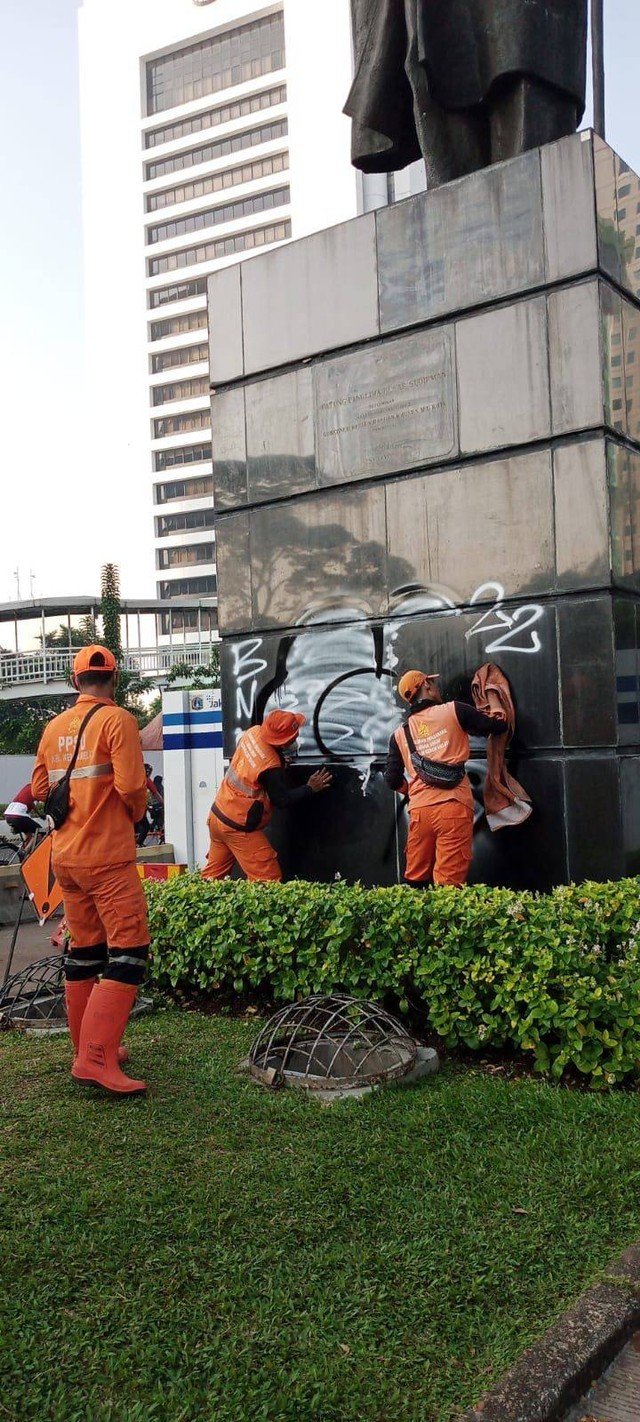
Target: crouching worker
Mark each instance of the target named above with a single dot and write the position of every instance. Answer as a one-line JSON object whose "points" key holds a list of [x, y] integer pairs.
{"points": [[256, 780], [426, 761], [94, 856]]}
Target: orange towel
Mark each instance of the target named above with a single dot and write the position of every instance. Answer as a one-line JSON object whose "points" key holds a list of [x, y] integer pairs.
{"points": [[506, 803]]}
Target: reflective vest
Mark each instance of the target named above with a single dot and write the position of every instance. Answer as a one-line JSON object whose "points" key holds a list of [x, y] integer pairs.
{"points": [[242, 802], [438, 735]]}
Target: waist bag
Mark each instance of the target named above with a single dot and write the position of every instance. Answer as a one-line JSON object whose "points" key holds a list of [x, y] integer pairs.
{"points": [[433, 772], [57, 802]]}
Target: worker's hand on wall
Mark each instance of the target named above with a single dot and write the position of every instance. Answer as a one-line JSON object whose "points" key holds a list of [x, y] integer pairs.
{"points": [[320, 780]]}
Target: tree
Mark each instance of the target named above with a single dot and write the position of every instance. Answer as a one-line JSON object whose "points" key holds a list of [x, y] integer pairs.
{"points": [[191, 678], [196, 678], [132, 688], [64, 636], [22, 722], [111, 609]]}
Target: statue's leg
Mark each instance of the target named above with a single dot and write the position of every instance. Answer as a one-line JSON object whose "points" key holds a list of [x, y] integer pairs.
{"points": [[525, 113], [452, 143]]}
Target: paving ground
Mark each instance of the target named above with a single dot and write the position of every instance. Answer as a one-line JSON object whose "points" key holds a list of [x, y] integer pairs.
{"points": [[32, 943], [616, 1398]]}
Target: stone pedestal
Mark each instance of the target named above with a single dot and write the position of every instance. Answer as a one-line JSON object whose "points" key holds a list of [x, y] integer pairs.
{"points": [[426, 433]]}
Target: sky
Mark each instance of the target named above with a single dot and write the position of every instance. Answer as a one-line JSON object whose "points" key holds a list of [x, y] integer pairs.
{"points": [[49, 502]]}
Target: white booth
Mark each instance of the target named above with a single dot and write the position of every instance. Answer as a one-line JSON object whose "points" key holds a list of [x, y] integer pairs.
{"points": [[193, 769]]}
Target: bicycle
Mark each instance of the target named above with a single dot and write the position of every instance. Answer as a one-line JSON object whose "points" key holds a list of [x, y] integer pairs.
{"points": [[11, 851], [15, 849]]}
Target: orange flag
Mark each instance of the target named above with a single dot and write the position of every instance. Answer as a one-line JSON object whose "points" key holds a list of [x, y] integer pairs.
{"points": [[39, 876]]}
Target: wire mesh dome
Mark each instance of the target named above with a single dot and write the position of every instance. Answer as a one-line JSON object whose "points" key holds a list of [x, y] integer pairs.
{"points": [[35, 996], [332, 1043]]}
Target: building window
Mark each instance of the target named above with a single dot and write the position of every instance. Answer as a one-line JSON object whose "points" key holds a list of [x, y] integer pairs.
{"points": [[624, 192], [182, 424], [187, 355], [189, 587], [215, 216], [186, 454], [170, 524], [219, 62], [195, 488], [235, 143], [217, 182], [224, 113], [180, 390], [223, 247], [180, 291], [177, 325], [182, 557], [203, 619]]}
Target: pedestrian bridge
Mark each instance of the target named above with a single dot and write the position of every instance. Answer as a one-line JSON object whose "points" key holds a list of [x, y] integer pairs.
{"points": [[156, 638]]}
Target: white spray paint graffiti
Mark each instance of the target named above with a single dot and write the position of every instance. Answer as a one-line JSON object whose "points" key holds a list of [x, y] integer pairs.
{"points": [[343, 685], [357, 714], [247, 667], [531, 612]]}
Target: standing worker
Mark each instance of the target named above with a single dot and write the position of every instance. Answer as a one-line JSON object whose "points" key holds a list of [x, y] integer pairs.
{"points": [[94, 857], [426, 761], [256, 780]]}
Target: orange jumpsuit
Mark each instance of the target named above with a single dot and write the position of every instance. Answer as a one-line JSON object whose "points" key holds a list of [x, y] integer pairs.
{"points": [[94, 850], [440, 837], [239, 811]]}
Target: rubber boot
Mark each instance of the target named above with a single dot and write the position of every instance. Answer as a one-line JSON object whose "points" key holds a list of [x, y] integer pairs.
{"points": [[103, 1024], [76, 996]]}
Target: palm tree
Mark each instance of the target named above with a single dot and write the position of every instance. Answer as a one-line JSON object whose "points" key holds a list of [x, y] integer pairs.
{"points": [[67, 636]]}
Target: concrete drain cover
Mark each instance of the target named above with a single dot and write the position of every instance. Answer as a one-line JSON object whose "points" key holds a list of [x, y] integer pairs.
{"points": [[616, 1398]]}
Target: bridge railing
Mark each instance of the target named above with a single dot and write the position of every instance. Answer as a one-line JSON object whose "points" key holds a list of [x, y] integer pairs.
{"points": [[54, 665]]}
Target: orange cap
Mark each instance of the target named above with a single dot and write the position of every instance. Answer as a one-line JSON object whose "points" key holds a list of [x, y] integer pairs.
{"points": [[93, 658], [281, 726], [409, 683]]}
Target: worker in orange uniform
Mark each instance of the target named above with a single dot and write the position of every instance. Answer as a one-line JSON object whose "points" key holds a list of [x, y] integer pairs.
{"points": [[256, 780], [426, 761], [94, 857]]}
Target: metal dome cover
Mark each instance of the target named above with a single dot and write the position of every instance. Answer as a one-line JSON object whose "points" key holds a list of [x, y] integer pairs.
{"points": [[332, 1042]]}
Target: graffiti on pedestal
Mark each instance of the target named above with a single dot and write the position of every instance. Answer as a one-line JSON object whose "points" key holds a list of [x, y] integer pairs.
{"points": [[517, 621], [338, 667]]}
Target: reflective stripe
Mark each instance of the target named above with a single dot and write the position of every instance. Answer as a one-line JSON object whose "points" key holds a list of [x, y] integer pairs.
{"points": [[88, 772], [79, 962], [242, 785], [135, 958], [226, 821]]}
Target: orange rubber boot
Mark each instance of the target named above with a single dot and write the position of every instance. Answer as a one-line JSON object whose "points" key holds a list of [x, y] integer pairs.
{"points": [[106, 1016], [76, 996]]}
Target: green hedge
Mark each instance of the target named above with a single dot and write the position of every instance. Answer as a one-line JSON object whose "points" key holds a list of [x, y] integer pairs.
{"points": [[553, 975]]}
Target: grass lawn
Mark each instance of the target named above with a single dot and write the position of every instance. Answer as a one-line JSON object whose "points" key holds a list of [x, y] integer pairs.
{"points": [[219, 1254]]}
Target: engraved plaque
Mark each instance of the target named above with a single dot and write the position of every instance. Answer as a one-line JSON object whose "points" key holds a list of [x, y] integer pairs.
{"points": [[385, 409]]}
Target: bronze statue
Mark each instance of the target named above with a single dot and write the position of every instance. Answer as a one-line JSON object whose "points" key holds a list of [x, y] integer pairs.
{"points": [[464, 83]]}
